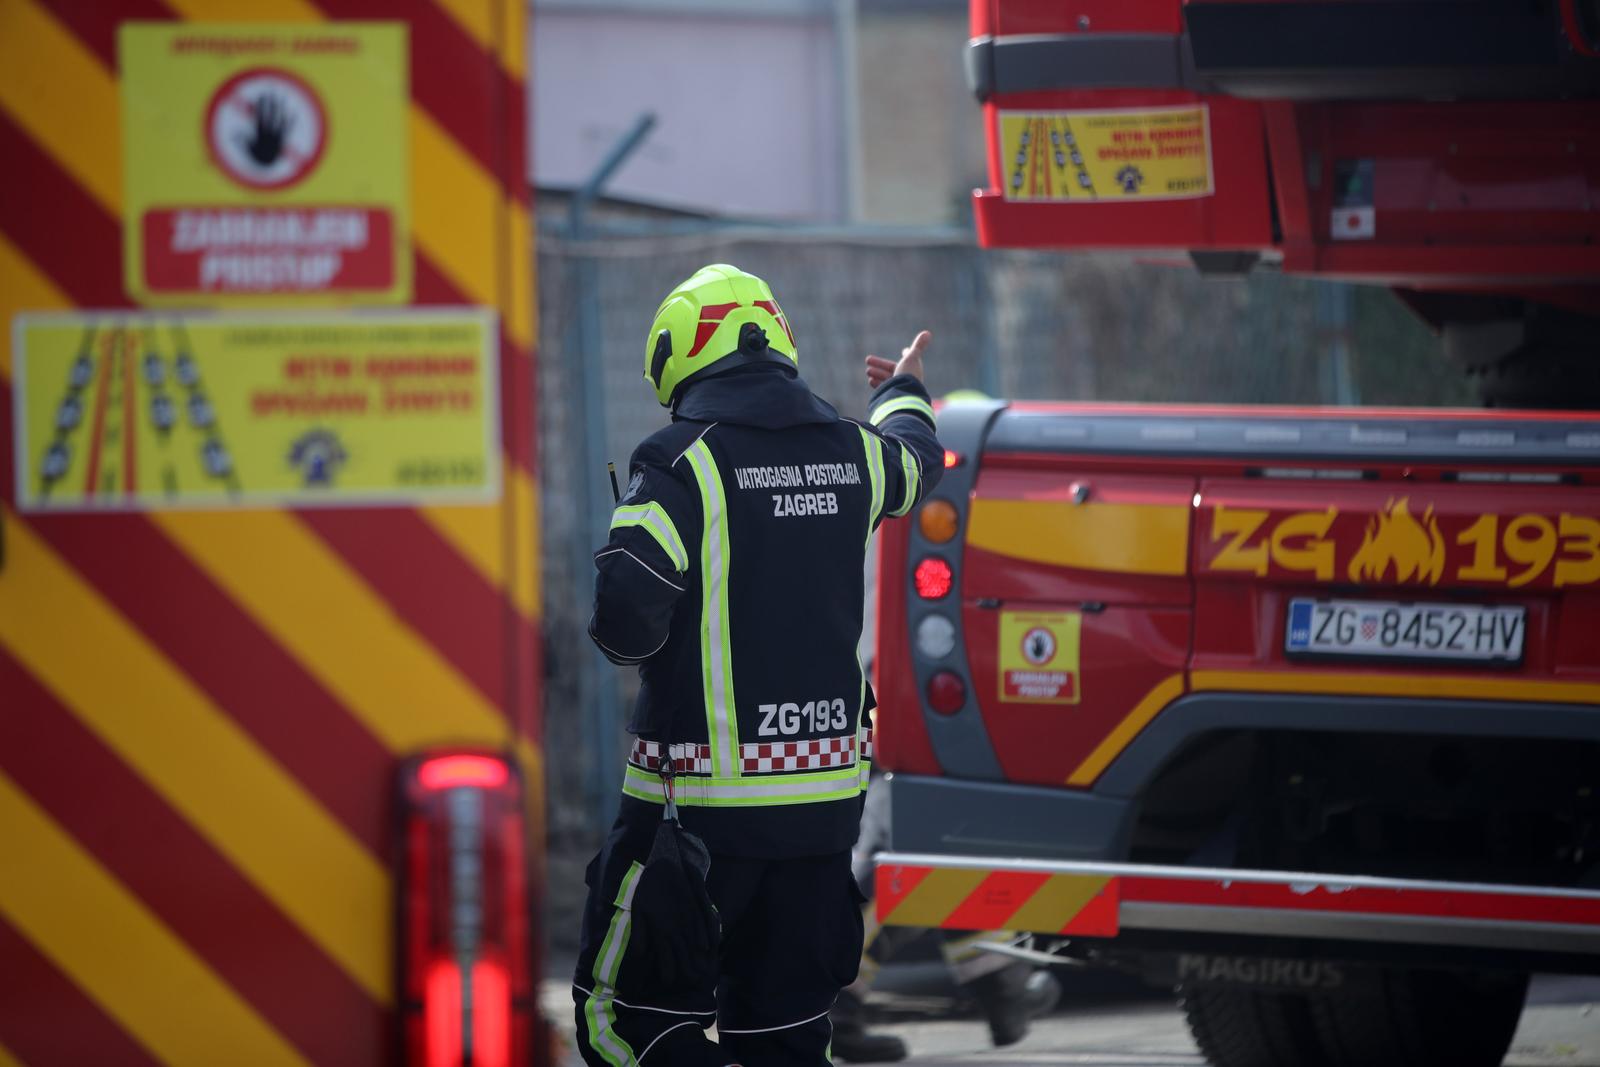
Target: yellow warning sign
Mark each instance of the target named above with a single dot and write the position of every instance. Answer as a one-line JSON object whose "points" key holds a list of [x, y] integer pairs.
{"points": [[134, 411], [1039, 657], [1143, 154], [265, 164]]}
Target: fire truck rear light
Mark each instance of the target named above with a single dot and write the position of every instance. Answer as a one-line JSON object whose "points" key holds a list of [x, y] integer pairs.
{"points": [[932, 578], [951, 459], [491, 1015], [450, 772], [938, 520], [936, 637], [466, 966], [946, 692]]}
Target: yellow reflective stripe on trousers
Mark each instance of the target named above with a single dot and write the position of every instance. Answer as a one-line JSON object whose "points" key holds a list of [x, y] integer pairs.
{"points": [[653, 517], [911, 467], [599, 1013], [716, 653], [692, 791], [874, 448], [903, 403]]}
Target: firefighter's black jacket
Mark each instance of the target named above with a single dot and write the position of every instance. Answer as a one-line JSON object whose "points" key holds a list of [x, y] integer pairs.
{"points": [[733, 577]]}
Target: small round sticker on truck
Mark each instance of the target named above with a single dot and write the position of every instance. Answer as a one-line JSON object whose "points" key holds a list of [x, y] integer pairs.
{"points": [[1039, 657]]}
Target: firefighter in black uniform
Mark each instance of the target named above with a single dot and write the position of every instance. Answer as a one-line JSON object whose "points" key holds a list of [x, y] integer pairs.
{"points": [[733, 579]]}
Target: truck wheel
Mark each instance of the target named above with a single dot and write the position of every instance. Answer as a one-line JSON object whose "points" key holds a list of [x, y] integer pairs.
{"points": [[1418, 1018], [1246, 1028]]}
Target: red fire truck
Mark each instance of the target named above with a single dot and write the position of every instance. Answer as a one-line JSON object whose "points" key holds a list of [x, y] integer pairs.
{"points": [[1295, 709], [270, 771], [1447, 150]]}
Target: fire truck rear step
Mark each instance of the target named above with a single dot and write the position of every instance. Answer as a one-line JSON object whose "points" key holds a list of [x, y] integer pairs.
{"points": [[1101, 900]]}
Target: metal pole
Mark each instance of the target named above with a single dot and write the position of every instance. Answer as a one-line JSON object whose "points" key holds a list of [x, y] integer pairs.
{"points": [[598, 698], [1333, 329], [590, 190], [849, 94]]}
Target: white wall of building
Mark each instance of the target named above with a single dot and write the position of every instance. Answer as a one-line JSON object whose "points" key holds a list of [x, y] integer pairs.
{"points": [[745, 96]]}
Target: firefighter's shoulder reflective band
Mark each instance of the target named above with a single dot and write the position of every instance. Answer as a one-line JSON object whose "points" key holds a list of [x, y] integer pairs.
{"points": [[903, 403], [752, 792], [716, 655], [653, 517], [874, 448], [599, 1014], [911, 467]]}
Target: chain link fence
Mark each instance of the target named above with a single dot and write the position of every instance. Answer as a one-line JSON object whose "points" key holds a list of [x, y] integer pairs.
{"points": [[1011, 323]]}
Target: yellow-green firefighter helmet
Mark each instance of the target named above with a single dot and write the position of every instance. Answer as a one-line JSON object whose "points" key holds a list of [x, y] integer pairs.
{"points": [[720, 312]]}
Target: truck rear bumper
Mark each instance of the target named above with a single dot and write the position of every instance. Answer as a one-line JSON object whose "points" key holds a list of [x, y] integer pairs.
{"points": [[948, 815], [1104, 900]]}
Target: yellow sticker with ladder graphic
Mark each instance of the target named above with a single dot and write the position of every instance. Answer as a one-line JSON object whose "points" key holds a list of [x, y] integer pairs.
{"points": [[134, 411], [1122, 154], [1039, 657]]}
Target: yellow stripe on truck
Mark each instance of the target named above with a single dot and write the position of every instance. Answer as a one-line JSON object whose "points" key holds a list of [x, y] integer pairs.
{"points": [[1150, 705], [63, 97], [197, 758], [1124, 538], [478, 17], [477, 532], [300, 591], [962, 898], [107, 942], [1352, 683], [934, 898], [1056, 903]]}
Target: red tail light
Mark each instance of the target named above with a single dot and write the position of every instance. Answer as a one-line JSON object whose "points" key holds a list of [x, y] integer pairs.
{"points": [[466, 989], [448, 772], [951, 459], [932, 578], [946, 692]]}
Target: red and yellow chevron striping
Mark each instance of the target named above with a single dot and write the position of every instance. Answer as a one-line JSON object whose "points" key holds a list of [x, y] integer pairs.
{"points": [[179, 876], [103, 938], [969, 899], [204, 710]]}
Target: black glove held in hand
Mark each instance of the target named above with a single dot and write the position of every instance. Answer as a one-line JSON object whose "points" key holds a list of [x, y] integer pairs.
{"points": [[674, 921]]}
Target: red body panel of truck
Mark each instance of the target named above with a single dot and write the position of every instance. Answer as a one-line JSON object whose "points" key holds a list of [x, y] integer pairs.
{"points": [[1354, 644]]}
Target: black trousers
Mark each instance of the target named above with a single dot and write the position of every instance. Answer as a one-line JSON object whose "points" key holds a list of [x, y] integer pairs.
{"points": [[791, 939]]}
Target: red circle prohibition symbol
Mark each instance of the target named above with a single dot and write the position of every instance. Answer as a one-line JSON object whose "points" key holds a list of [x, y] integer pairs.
{"points": [[228, 95], [1048, 640]]}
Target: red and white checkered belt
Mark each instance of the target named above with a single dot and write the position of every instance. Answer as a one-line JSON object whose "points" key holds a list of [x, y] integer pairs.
{"points": [[771, 757], [778, 756], [687, 758]]}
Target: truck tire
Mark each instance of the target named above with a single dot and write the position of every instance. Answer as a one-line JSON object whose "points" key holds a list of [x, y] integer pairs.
{"points": [[1419, 1018], [1247, 1028]]}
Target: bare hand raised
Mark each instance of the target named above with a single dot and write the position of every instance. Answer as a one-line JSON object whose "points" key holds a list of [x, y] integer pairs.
{"points": [[880, 370]]}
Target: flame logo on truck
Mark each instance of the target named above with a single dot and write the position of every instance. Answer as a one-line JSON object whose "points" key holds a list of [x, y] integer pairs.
{"points": [[1399, 547], [1395, 540]]}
